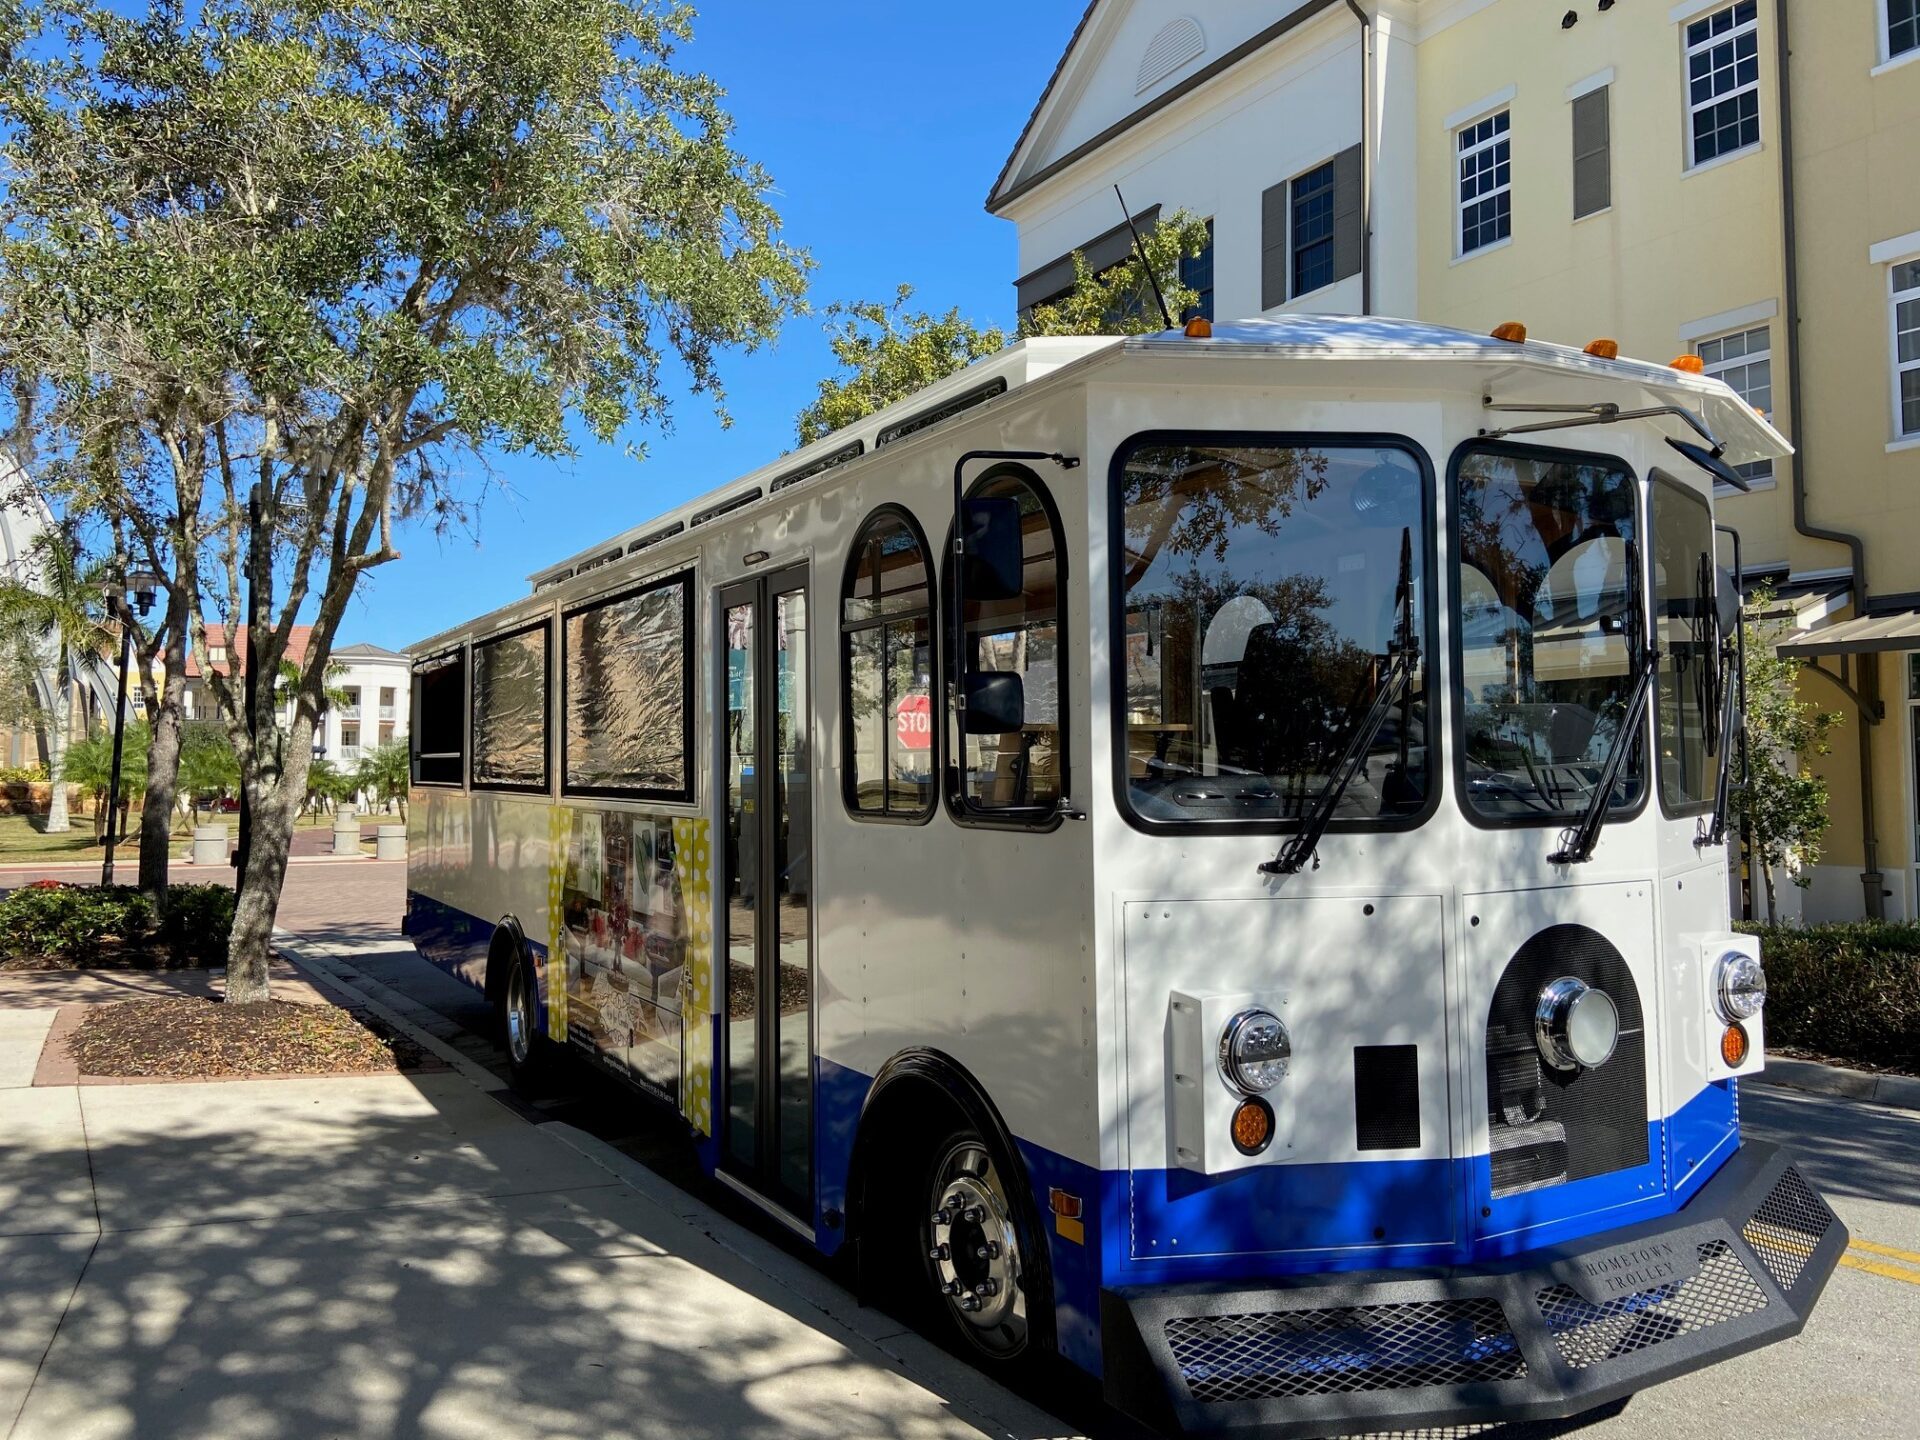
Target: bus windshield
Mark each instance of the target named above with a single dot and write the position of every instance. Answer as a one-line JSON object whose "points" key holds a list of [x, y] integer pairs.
{"points": [[1268, 588], [1550, 630]]}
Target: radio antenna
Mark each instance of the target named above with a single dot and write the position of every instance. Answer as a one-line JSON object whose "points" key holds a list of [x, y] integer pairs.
{"points": [[1145, 264]]}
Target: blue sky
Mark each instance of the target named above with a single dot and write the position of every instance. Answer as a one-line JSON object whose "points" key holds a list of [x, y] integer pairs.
{"points": [[883, 123]]}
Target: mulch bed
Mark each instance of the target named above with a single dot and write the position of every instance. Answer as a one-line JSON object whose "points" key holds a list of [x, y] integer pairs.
{"points": [[200, 1039], [1796, 1052], [112, 955]]}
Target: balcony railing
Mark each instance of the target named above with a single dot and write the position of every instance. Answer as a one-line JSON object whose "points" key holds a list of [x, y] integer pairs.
{"points": [[348, 712], [387, 712]]}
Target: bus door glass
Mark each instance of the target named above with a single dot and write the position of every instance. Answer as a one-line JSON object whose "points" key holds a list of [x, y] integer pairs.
{"points": [[766, 776]]}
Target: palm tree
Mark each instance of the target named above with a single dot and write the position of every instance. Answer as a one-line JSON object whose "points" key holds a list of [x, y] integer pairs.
{"points": [[50, 616]]}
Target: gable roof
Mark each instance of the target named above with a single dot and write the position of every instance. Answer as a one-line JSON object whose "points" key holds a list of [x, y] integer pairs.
{"points": [[366, 652], [1006, 189]]}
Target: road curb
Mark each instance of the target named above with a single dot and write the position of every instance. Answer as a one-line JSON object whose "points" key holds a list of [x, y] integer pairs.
{"points": [[1896, 1092]]}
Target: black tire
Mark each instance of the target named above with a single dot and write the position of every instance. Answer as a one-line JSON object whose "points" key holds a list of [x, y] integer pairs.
{"points": [[982, 1278], [516, 1013]]}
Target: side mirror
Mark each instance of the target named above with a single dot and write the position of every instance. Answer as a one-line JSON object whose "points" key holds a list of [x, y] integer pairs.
{"points": [[994, 556], [996, 702]]}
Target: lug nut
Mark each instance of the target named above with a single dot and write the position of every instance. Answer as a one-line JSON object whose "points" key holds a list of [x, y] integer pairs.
{"points": [[987, 1289], [942, 1219], [952, 1287], [940, 1252], [968, 1302], [973, 1215], [988, 1251]]}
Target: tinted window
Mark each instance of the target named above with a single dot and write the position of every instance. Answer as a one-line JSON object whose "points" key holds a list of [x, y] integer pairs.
{"points": [[510, 710], [1266, 589], [628, 711], [887, 645], [1549, 630], [439, 719], [1018, 636], [1685, 588]]}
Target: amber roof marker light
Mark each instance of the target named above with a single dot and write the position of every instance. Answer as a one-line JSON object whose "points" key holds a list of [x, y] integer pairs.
{"points": [[1513, 332], [1604, 349], [1689, 365]]}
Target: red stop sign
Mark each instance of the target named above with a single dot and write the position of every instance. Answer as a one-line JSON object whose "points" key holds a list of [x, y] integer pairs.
{"points": [[913, 722]]}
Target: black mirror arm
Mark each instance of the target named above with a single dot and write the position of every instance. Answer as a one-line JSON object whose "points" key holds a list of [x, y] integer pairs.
{"points": [[1716, 831]]}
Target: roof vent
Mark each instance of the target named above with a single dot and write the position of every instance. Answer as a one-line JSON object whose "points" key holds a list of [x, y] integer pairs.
{"points": [[1178, 42]]}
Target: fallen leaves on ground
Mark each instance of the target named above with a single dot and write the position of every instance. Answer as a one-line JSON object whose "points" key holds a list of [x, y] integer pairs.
{"points": [[194, 1038]]}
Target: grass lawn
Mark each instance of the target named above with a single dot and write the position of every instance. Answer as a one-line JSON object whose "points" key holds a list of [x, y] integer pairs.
{"points": [[23, 840]]}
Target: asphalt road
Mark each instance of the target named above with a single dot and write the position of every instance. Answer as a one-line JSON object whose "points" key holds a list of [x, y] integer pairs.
{"points": [[1855, 1372]]}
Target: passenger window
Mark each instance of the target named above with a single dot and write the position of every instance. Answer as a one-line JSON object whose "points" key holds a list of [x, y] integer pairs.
{"points": [[510, 710], [1691, 678], [439, 710], [886, 624], [1011, 754], [628, 694]]}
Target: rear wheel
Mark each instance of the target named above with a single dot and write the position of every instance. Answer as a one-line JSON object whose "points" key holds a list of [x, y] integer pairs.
{"points": [[519, 1014], [975, 1256]]}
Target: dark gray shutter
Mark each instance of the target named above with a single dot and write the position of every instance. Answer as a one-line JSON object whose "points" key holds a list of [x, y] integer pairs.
{"points": [[1592, 153], [1349, 211], [1273, 246], [1102, 252]]}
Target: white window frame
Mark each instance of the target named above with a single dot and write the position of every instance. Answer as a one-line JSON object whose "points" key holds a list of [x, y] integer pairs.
{"points": [[1888, 57], [1897, 298], [1460, 202], [1717, 370], [1687, 52]]}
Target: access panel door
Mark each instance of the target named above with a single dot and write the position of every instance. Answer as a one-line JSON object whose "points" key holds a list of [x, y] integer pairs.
{"points": [[766, 773]]}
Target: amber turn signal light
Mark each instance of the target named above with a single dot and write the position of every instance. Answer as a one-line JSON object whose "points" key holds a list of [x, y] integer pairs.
{"points": [[1199, 328], [1734, 1046], [1689, 365], [1513, 332], [1252, 1126], [1604, 349]]}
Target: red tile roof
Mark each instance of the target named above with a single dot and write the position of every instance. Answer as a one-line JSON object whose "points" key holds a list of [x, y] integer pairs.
{"points": [[235, 650]]}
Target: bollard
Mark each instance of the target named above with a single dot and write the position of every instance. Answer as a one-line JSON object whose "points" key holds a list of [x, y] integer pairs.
{"points": [[390, 843], [210, 845], [346, 831]]}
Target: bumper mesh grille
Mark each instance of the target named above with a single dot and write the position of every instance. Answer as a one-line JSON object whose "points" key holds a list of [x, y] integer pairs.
{"points": [[1295, 1353], [1589, 1333], [1786, 1227]]}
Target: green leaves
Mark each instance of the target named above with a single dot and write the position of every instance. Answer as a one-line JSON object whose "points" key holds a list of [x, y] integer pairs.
{"points": [[1119, 300], [887, 353], [1785, 803]]}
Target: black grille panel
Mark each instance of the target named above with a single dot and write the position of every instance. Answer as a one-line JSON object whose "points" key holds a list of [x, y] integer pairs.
{"points": [[1386, 1096], [1296, 1353], [1786, 1227], [1588, 1333], [1548, 1126]]}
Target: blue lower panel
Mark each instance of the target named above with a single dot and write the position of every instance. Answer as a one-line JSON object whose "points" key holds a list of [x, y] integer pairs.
{"points": [[458, 943]]}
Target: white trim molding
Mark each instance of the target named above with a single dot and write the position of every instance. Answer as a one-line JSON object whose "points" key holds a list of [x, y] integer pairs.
{"points": [[1892, 252], [1480, 109], [1590, 84], [1745, 318], [1692, 10]]}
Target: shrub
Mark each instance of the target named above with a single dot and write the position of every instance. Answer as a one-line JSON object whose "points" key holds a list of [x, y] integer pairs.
{"points": [[72, 922], [198, 923], [1849, 991]]}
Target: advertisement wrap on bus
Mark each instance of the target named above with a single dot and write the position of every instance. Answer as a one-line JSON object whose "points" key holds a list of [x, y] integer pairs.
{"points": [[1202, 856]]}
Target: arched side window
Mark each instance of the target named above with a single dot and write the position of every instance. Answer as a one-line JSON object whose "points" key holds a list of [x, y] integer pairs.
{"points": [[1012, 769], [886, 643]]}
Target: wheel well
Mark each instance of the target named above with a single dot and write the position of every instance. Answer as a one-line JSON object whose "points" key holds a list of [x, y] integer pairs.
{"points": [[918, 1099], [508, 941]]}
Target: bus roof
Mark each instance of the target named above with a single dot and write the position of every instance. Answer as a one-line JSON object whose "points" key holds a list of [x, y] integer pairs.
{"points": [[1530, 372]]}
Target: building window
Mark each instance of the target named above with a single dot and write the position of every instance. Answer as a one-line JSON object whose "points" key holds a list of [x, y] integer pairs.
{"points": [[1903, 27], [1744, 360], [1311, 230], [1486, 183], [1906, 346], [1196, 274], [1592, 153], [1723, 81], [1311, 219], [886, 623]]}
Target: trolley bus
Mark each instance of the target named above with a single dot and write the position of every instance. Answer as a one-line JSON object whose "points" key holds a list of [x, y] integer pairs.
{"points": [[1201, 854]]}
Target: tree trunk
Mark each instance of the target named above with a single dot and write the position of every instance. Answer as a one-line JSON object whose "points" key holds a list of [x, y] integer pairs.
{"points": [[163, 777], [59, 721], [274, 798]]}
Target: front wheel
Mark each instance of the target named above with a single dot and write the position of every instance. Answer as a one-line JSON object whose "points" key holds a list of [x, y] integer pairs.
{"points": [[976, 1260]]}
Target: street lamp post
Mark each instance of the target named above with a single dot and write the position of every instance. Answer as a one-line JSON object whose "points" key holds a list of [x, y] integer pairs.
{"points": [[142, 585]]}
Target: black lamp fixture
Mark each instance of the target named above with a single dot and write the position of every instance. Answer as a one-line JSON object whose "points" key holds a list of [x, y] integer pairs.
{"points": [[1570, 19]]}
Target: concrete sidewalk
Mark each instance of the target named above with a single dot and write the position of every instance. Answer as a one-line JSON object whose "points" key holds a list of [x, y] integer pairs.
{"points": [[406, 1256]]}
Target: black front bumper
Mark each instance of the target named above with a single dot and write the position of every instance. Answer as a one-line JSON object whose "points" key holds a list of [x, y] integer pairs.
{"points": [[1540, 1336]]}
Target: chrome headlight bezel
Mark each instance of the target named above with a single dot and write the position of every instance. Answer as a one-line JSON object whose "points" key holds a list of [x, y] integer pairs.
{"points": [[1255, 1051], [1564, 1023], [1740, 988]]}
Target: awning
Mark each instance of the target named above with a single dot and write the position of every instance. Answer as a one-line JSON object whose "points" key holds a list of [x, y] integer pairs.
{"points": [[1866, 635]]}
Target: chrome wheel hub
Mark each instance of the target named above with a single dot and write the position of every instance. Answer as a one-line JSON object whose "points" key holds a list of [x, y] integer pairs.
{"points": [[519, 1016], [973, 1250]]}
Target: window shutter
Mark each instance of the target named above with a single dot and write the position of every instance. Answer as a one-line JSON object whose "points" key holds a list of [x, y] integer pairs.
{"points": [[1349, 213], [1273, 246], [1592, 157]]}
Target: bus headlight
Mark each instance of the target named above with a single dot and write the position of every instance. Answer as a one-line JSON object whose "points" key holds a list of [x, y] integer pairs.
{"points": [[1576, 1025], [1254, 1051], [1743, 986]]}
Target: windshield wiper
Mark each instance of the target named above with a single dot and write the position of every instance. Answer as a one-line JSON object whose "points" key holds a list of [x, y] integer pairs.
{"points": [[1577, 844], [1301, 846]]}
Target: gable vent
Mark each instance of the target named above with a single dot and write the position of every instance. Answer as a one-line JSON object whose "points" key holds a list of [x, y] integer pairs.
{"points": [[1178, 42]]}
